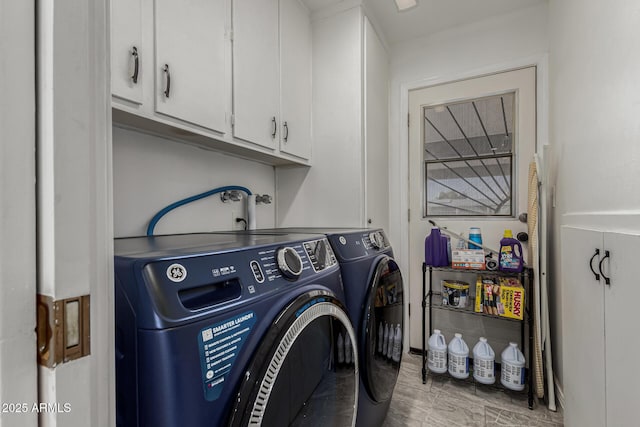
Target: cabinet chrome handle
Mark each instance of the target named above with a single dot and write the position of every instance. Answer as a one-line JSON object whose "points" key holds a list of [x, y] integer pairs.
{"points": [[274, 127], [597, 252], [286, 132], [607, 280], [167, 89], [136, 64]]}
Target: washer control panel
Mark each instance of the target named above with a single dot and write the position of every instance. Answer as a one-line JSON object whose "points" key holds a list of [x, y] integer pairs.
{"points": [[284, 263], [320, 254], [175, 280], [355, 245]]}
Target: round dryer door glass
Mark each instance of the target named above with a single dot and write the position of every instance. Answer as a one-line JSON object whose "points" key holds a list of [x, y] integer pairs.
{"points": [[383, 331], [306, 371]]}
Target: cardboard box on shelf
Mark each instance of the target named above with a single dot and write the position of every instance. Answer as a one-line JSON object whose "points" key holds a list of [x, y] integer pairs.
{"points": [[502, 296], [511, 298], [469, 259]]}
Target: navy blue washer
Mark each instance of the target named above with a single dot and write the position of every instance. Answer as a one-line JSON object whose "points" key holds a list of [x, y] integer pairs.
{"points": [[374, 294], [204, 320]]}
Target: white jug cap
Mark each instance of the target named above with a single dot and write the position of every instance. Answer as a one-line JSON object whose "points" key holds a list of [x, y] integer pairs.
{"points": [[437, 331], [483, 339], [513, 344], [458, 335]]}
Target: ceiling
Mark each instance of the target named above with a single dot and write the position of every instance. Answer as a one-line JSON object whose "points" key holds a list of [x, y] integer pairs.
{"points": [[430, 16]]}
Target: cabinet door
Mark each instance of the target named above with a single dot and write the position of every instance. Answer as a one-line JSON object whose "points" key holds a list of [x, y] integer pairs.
{"points": [[582, 329], [255, 71], [126, 50], [621, 330], [190, 61], [376, 78], [295, 78]]}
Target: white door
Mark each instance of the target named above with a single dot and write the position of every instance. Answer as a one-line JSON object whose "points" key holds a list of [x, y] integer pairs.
{"points": [[127, 50], [190, 61], [622, 344], [295, 79], [255, 71], [583, 328], [470, 144]]}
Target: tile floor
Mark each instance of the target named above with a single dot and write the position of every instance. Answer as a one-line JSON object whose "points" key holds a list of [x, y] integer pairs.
{"points": [[443, 401]]}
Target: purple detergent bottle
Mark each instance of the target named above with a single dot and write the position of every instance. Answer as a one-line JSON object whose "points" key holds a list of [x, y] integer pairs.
{"points": [[510, 254], [435, 249]]}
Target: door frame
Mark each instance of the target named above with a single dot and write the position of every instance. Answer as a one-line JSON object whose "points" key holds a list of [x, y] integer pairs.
{"points": [[74, 200], [400, 197]]}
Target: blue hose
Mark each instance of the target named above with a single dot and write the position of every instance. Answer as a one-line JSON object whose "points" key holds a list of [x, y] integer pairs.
{"points": [[172, 206]]}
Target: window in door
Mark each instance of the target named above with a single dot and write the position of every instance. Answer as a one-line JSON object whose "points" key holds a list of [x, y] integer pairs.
{"points": [[469, 157]]}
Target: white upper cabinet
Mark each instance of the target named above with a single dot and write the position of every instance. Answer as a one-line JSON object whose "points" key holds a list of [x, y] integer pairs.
{"points": [[272, 75], [190, 61], [223, 74], [295, 78], [255, 71], [127, 50]]}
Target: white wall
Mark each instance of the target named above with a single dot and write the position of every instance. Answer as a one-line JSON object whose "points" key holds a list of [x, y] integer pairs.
{"points": [[18, 372], [594, 104], [330, 193], [593, 122], [152, 172], [500, 43]]}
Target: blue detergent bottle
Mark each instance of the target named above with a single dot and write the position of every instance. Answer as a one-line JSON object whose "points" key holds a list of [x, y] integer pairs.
{"points": [[435, 249], [511, 259]]}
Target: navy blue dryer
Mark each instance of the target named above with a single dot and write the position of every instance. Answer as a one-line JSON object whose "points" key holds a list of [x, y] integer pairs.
{"points": [[230, 329], [374, 292]]}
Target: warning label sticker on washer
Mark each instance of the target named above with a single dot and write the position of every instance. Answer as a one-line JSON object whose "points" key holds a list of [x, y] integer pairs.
{"points": [[219, 346]]}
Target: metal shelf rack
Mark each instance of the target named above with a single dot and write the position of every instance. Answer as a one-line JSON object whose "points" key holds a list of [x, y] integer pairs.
{"points": [[526, 278]]}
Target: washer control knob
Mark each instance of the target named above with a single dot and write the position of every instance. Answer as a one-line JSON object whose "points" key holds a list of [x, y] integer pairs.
{"points": [[289, 262], [377, 240]]}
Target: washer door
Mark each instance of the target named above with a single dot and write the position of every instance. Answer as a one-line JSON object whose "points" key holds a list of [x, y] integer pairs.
{"points": [[300, 374], [382, 330]]}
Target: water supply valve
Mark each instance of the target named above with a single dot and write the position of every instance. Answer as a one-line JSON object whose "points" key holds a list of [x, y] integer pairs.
{"points": [[231, 196], [265, 198]]}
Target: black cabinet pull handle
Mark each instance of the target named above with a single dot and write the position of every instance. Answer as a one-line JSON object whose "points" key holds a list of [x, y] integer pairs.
{"points": [[286, 131], [136, 64], [591, 264], [167, 89], [274, 127], [607, 280]]}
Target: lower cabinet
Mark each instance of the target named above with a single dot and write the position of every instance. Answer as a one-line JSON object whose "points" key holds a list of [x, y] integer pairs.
{"points": [[600, 294]]}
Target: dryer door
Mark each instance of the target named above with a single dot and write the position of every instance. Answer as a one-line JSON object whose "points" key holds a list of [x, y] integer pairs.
{"points": [[382, 330], [305, 372]]}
